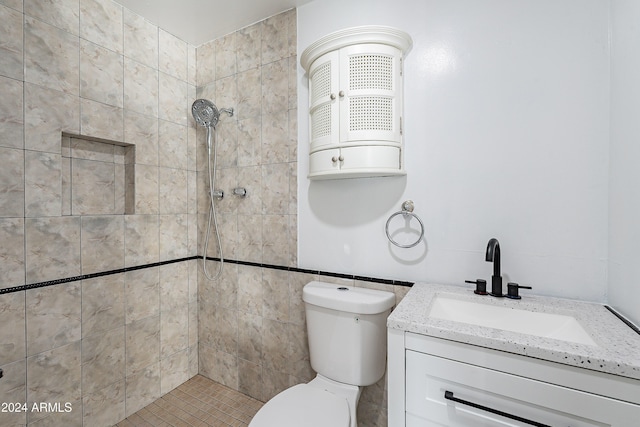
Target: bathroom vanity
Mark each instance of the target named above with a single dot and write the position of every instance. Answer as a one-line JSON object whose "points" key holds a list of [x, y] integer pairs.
{"points": [[463, 360]]}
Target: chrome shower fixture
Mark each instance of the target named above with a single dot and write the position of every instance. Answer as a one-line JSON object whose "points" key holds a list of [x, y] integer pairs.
{"points": [[207, 114]]}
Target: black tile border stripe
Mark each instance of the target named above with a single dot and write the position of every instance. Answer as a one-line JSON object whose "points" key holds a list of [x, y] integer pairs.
{"points": [[229, 261], [623, 319]]}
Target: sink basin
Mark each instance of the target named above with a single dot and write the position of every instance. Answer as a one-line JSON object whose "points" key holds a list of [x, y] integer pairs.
{"points": [[547, 325]]}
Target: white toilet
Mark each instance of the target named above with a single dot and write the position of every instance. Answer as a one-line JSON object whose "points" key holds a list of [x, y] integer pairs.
{"points": [[348, 347]]}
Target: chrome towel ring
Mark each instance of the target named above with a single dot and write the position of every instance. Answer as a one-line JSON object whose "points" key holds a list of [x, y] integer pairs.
{"points": [[407, 210]]}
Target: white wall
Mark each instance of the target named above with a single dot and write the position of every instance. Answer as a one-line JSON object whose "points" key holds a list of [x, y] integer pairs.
{"points": [[624, 198], [507, 129]]}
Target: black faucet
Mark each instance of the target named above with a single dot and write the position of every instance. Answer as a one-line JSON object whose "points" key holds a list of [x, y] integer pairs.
{"points": [[493, 255]]}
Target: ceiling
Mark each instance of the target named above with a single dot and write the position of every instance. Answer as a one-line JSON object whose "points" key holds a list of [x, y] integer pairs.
{"points": [[199, 21]]}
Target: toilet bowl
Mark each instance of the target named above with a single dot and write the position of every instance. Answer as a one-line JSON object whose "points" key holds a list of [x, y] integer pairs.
{"points": [[347, 347]]}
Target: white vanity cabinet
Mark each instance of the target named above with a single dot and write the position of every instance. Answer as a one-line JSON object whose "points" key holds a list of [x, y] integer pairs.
{"points": [[355, 103], [437, 382]]}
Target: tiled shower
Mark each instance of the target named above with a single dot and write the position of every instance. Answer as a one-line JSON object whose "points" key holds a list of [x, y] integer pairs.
{"points": [[103, 205]]}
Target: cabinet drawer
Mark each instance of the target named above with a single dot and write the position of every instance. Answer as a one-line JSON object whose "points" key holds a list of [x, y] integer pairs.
{"points": [[358, 161], [428, 377]]}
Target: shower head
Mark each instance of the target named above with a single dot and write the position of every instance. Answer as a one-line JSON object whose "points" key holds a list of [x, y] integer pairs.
{"points": [[205, 113]]}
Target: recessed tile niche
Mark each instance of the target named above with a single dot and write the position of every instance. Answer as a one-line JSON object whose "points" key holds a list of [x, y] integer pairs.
{"points": [[97, 176]]}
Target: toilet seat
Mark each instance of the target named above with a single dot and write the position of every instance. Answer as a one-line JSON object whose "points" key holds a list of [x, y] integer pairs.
{"points": [[303, 405]]}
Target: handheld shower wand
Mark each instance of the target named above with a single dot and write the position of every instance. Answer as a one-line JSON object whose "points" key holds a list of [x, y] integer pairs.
{"points": [[206, 114]]}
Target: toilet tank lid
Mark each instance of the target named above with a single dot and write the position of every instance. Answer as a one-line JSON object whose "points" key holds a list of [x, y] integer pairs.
{"points": [[347, 298]]}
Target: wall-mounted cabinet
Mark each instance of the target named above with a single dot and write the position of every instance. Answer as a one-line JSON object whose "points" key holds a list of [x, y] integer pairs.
{"points": [[355, 103]]}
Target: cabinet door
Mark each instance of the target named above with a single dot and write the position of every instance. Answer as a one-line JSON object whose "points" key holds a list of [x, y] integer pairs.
{"points": [[323, 101], [370, 94], [429, 377]]}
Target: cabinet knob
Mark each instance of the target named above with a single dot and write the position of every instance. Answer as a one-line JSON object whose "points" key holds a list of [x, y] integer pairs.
{"points": [[332, 96], [334, 159], [341, 158], [341, 93]]}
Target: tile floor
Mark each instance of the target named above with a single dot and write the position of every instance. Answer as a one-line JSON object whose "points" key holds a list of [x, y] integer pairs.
{"points": [[198, 402]]}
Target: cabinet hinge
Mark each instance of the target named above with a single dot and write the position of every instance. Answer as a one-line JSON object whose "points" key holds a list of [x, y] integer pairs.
{"points": [[401, 66], [400, 125]]}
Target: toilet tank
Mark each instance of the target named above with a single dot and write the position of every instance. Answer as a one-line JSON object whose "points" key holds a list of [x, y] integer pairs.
{"points": [[347, 329]]}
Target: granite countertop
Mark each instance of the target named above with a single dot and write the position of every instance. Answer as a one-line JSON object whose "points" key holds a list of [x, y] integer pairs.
{"points": [[617, 349]]}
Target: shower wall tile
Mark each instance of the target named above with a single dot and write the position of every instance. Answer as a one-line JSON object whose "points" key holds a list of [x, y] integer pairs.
{"points": [[104, 407], [250, 379], [174, 370], [51, 57], [250, 177], [14, 4], [174, 286], [141, 240], [275, 296], [11, 49], [142, 131], [103, 359], [174, 332], [142, 294], [143, 346], [250, 141], [102, 22], [64, 14], [12, 252], [53, 317], [250, 238], [275, 188], [275, 87], [173, 99], [146, 189], [172, 55], [47, 114], [173, 191], [275, 239], [250, 292], [250, 337], [93, 187], [12, 328], [103, 301], [249, 98], [192, 235], [192, 69], [91, 150], [61, 202], [12, 183], [11, 113], [173, 236], [219, 366], [192, 192], [101, 74], [102, 243], [275, 37], [140, 88], [192, 142], [55, 375], [172, 139], [142, 388], [101, 120], [275, 138], [206, 63], [13, 388], [43, 184], [140, 39], [52, 248], [225, 56], [249, 46]]}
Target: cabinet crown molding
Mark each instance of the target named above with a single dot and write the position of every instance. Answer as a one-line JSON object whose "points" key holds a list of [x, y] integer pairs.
{"points": [[357, 35]]}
